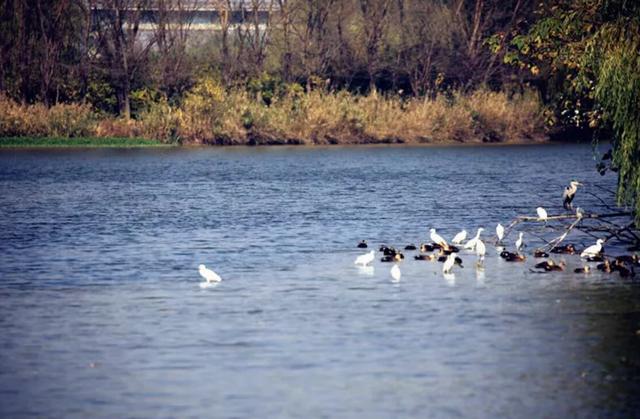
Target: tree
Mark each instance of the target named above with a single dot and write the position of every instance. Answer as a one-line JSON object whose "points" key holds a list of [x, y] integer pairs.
{"points": [[425, 44], [117, 24], [173, 20], [252, 35], [374, 15], [39, 43], [595, 46]]}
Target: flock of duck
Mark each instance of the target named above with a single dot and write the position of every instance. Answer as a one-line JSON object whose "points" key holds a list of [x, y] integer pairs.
{"points": [[442, 251], [439, 249]]}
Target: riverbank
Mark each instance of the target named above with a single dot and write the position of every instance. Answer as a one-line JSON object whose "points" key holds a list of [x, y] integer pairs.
{"points": [[94, 142], [212, 115], [80, 142]]}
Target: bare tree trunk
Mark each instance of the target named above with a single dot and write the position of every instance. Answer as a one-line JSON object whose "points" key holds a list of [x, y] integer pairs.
{"points": [[118, 31], [285, 16], [374, 13]]}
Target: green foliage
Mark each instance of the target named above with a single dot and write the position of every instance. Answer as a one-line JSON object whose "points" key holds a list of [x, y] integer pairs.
{"points": [[102, 96], [143, 99], [267, 87], [614, 55], [593, 47]]}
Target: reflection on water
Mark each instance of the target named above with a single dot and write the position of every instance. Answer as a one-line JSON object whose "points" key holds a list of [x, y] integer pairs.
{"points": [[102, 312]]}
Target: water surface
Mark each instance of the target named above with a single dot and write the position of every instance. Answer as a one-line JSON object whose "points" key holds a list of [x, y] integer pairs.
{"points": [[101, 313]]}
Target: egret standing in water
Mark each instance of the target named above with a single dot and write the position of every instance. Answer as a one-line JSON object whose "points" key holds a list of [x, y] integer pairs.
{"points": [[519, 242], [364, 260], [436, 238], [569, 193], [542, 214], [395, 273], [593, 250], [471, 244], [209, 276], [499, 232], [459, 238], [448, 264], [481, 250]]}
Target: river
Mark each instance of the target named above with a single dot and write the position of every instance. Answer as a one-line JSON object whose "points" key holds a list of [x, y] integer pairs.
{"points": [[102, 315]]}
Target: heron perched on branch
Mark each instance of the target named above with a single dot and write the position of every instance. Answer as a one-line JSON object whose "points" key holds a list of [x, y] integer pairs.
{"points": [[569, 193]]}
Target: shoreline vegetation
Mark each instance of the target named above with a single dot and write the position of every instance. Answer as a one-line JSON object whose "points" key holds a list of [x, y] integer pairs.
{"points": [[210, 114], [78, 142]]}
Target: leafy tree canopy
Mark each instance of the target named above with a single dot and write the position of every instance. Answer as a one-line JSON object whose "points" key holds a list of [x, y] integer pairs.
{"points": [[594, 47]]}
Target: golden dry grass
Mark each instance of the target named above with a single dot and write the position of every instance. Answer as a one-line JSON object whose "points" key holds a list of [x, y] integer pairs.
{"points": [[210, 114]]}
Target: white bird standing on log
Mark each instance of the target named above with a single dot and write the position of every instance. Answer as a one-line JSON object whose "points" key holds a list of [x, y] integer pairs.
{"points": [[592, 250], [459, 238], [542, 214], [499, 232], [519, 242], [569, 193]]}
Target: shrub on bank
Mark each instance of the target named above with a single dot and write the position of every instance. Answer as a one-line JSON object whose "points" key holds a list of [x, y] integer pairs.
{"points": [[211, 114], [62, 120]]}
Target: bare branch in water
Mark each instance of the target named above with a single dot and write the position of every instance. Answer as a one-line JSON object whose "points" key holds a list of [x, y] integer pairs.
{"points": [[590, 224]]}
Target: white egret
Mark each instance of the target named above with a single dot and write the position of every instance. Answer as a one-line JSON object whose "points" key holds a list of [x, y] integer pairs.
{"points": [[481, 250], [569, 193], [448, 264], [471, 244], [395, 273], [519, 242], [500, 232], [436, 238], [579, 212], [460, 237], [364, 260], [208, 274], [592, 250], [542, 214]]}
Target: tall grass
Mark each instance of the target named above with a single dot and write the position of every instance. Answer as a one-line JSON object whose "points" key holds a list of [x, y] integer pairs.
{"points": [[210, 114], [64, 120]]}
